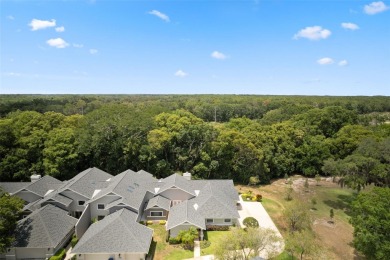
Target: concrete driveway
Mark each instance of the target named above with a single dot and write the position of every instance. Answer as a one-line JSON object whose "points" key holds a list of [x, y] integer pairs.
{"points": [[256, 210]]}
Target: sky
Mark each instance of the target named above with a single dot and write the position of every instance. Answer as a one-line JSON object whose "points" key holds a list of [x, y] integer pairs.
{"points": [[279, 47]]}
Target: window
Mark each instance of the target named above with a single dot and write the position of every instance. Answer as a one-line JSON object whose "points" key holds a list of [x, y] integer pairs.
{"points": [[100, 206], [209, 220], [81, 202], [156, 214], [227, 220]]}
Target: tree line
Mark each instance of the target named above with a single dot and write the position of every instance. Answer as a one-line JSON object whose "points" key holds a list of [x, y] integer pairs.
{"points": [[160, 137]]}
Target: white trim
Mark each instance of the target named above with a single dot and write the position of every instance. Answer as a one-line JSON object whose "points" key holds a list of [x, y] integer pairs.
{"points": [[150, 214], [184, 223], [97, 207]]}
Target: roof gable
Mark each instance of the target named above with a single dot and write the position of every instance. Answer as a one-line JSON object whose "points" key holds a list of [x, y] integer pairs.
{"points": [[44, 228], [116, 233]]}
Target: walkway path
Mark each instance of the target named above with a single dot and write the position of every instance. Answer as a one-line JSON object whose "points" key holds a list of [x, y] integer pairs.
{"points": [[68, 254], [256, 210]]}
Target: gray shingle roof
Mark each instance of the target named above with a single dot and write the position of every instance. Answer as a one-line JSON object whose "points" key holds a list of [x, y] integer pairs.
{"points": [[55, 196], [32, 206], [12, 187], [44, 228], [185, 212], [160, 202], [177, 181], [86, 182], [116, 233], [217, 199], [131, 186], [43, 185]]}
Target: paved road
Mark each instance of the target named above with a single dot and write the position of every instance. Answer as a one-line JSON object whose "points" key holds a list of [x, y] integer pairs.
{"points": [[256, 210]]}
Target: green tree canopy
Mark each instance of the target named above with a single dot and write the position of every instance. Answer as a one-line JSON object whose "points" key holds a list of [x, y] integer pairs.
{"points": [[371, 221]]}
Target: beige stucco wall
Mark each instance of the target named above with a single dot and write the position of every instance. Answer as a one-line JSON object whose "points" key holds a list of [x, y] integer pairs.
{"points": [[74, 206], [95, 212], [83, 223]]}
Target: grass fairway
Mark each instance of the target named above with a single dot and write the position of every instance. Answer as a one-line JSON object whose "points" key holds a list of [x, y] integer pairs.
{"points": [[334, 238]]}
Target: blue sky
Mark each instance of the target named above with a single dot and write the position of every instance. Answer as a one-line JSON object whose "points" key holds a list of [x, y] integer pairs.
{"points": [[278, 47]]}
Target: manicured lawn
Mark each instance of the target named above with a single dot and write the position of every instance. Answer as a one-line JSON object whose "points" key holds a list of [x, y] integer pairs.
{"points": [[163, 250], [213, 237]]}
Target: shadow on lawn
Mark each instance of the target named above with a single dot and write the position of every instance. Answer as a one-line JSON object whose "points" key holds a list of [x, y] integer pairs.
{"points": [[343, 202]]}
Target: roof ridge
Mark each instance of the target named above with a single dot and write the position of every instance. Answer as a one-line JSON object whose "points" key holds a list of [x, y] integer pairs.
{"points": [[124, 223], [45, 228]]}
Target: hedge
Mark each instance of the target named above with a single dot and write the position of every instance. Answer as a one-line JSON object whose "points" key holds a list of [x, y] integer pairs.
{"points": [[59, 255], [217, 228]]}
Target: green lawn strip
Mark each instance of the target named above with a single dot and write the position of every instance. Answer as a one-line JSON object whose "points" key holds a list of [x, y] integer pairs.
{"points": [[179, 254], [271, 206], [213, 237]]}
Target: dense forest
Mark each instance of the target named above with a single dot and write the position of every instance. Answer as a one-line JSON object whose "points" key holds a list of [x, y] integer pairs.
{"points": [[212, 136]]}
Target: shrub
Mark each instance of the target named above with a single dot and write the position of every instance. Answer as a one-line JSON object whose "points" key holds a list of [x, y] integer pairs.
{"points": [[259, 197], [217, 228], [251, 222], [162, 222], [142, 222], [149, 222], [74, 257], [246, 196], [174, 241], [74, 240], [59, 255], [204, 244]]}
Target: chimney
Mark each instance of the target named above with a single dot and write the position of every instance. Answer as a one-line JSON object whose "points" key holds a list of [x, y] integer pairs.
{"points": [[35, 177], [187, 175]]}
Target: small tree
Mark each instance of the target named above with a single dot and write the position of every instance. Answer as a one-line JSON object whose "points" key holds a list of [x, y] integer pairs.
{"points": [[307, 184], [318, 179], [254, 180], [297, 216], [331, 215], [301, 242], [187, 237], [313, 203], [251, 222], [288, 193], [241, 244]]}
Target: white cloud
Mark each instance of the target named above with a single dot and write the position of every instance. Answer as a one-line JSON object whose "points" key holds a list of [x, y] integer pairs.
{"points": [[36, 24], [350, 26], [76, 45], [325, 61], [60, 29], [57, 43], [10, 17], [160, 15], [218, 55], [343, 63], [313, 33], [181, 74], [375, 7], [93, 51]]}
